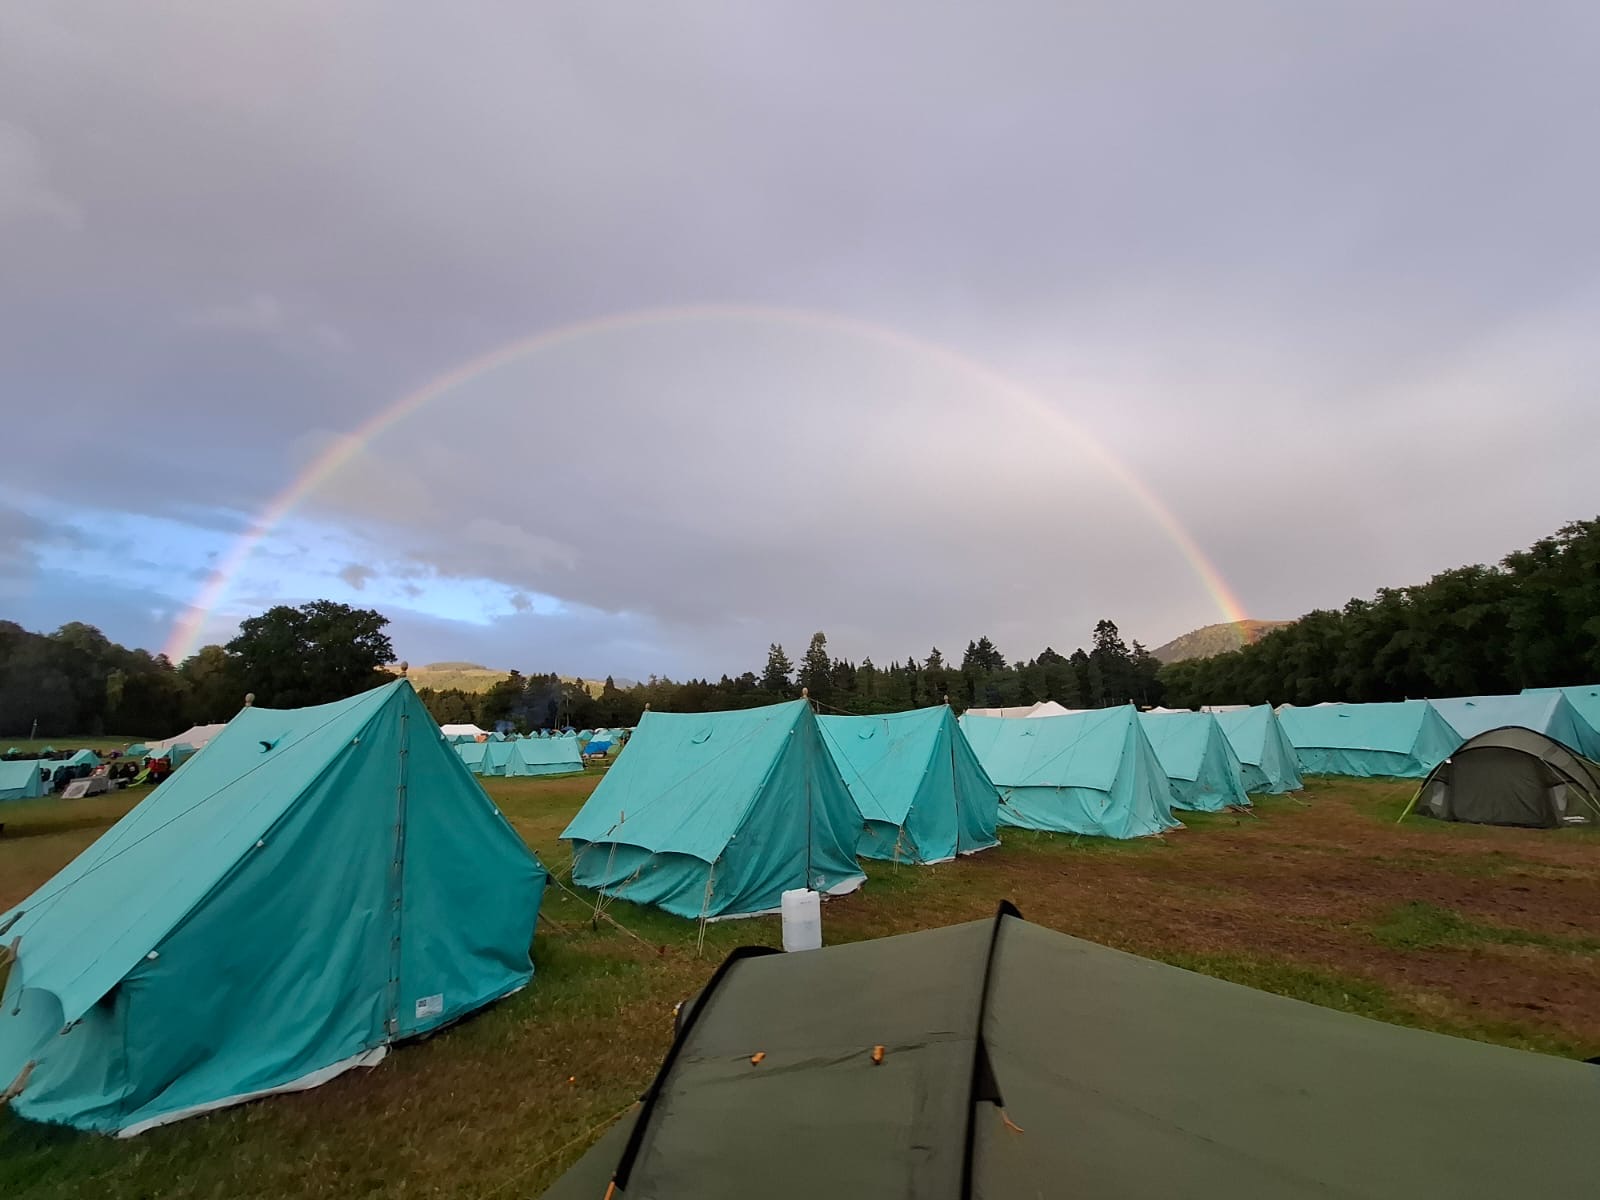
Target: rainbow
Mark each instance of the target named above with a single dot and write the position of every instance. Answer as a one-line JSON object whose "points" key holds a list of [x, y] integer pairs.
{"points": [[185, 637]]}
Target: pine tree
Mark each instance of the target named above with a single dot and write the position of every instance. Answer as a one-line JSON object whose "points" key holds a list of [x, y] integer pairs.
{"points": [[816, 669], [776, 678]]}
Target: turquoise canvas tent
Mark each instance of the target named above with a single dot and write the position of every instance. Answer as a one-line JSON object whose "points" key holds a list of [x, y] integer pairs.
{"points": [[1583, 697], [20, 780], [472, 754], [922, 794], [81, 758], [1091, 773], [717, 814], [137, 750], [317, 885], [1402, 738], [497, 757], [1266, 756], [1549, 713], [1196, 755], [543, 756]]}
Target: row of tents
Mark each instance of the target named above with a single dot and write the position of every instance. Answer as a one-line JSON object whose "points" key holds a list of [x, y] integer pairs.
{"points": [[714, 815], [522, 757]]}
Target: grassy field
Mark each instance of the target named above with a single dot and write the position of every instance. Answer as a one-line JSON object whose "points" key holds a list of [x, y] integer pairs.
{"points": [[1486, 933], [98, 744]]}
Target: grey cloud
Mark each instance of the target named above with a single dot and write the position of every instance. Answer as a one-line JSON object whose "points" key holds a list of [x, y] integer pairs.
{"points": [[356, 575], [1312, 271]]}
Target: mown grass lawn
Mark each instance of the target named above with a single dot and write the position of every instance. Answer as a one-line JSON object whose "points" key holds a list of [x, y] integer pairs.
{"points": [[1485, 933]]}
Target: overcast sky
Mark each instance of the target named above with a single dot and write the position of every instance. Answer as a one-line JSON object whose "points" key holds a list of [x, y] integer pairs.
{"points": [[924, 319]]}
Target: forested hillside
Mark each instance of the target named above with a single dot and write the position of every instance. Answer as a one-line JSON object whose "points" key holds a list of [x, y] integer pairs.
{"points": [[1532, 620]]}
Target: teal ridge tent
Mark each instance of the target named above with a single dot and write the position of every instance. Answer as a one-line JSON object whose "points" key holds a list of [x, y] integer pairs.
{"points": [[1549, 713], [1266, 756], [177, 753], [1195, 754], [544, 756], [472, 754], [922, 794], [1000, 1059], [1583, 697], [19, 780], [82, 758], [137, 750], [1091, 773], [318, 884], [497, 757], [717, 814], [1401, 738]]}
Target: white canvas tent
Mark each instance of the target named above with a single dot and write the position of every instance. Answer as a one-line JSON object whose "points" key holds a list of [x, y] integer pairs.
{"points": [[195, 736]]}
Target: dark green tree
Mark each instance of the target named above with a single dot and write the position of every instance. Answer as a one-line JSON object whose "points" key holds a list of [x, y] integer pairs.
{"points": [[777, 676], [312, 654], [816, 668]]}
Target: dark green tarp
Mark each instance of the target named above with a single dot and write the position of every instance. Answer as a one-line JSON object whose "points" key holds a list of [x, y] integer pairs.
{"points": [[1098, 1074]]}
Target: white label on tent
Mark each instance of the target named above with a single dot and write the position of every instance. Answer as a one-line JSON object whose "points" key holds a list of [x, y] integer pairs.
{"points": [[430, 1006]]}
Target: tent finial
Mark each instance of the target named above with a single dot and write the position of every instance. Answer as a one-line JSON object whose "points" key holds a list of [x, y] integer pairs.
{"points": [[404, 667], [805, 693], [249, 699]]}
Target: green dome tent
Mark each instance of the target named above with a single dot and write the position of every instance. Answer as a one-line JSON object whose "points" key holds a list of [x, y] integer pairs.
{"points": [[1000, 1059], [1403, 738], [1549, 713], [1512, 776], [717, 814], [1195, 754], [245, 929], [922, 794], [544, 756], [1266, 757], [1091, 773]]}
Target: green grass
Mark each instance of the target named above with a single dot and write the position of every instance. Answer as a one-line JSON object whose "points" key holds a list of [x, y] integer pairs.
{"points": [[499, 1105], [1418, 925], [98, 744]]}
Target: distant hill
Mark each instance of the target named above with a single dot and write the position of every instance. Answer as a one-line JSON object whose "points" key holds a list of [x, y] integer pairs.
{"points": [[1215, 639], [475, 677]]}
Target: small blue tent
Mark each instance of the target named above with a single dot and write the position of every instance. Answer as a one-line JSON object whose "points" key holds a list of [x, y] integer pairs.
{"points": [[1092, 773], [1266, 756], [1195, 754], [318, 884], [1549, 713], [921, 791], [1401, 738], [544, 756], [717, 814], [20, 780]]}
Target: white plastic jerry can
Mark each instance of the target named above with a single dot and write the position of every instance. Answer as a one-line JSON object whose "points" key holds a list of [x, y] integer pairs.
{"points": [[802, 920]]}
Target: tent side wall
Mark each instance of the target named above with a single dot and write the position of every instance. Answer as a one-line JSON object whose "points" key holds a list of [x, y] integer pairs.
{"points": [[1142, 793], [465, 933], [977, 799], [801, 831]]}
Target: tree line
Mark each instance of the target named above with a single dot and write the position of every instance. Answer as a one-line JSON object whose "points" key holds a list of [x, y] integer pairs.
{"points": [[1111, 672], [1532, 620], [76, 681]]}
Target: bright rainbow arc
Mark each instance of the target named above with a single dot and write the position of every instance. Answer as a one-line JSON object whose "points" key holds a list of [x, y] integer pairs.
{"points": [[185, 636]]}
